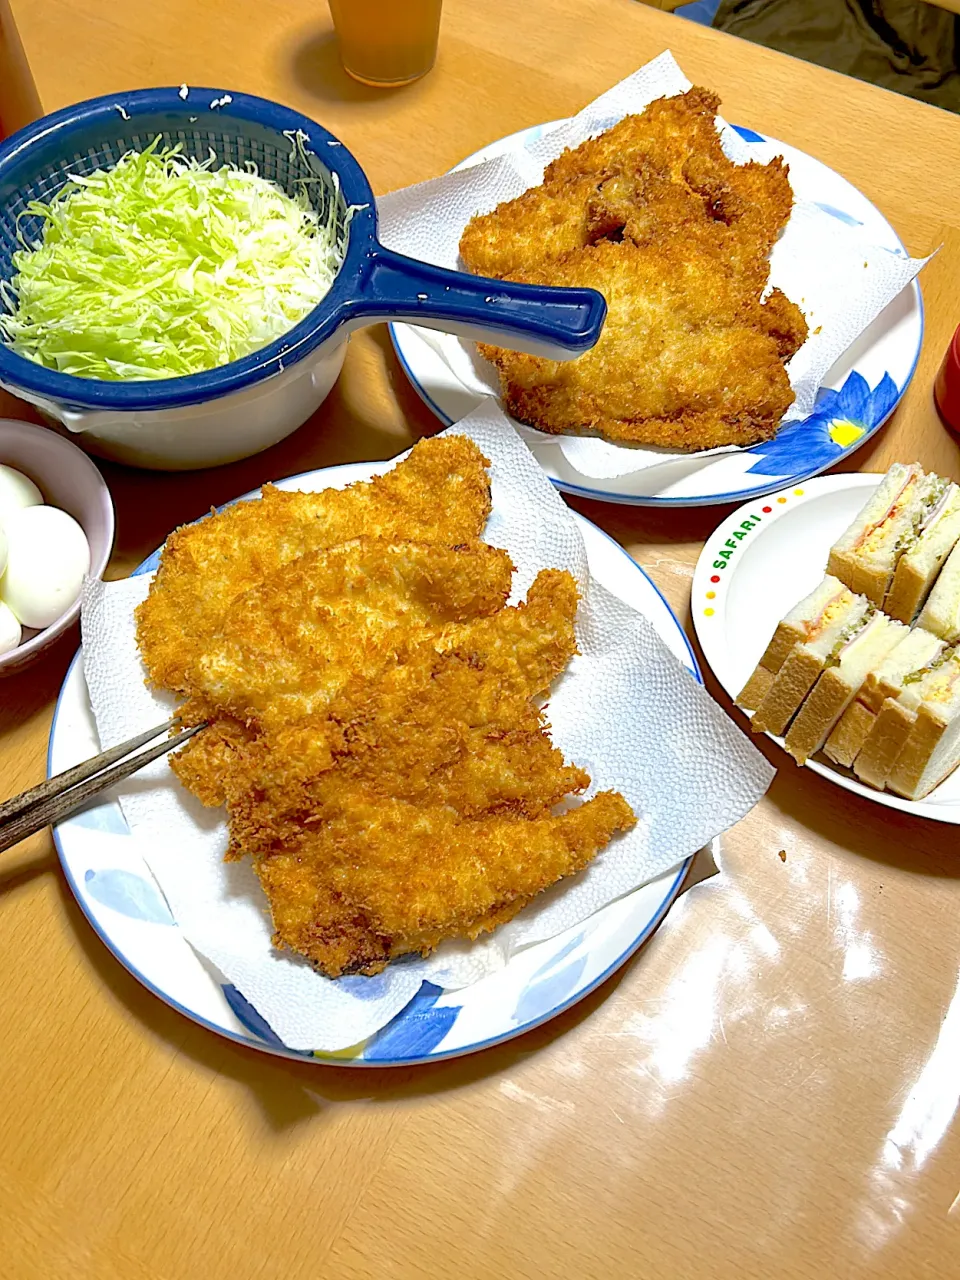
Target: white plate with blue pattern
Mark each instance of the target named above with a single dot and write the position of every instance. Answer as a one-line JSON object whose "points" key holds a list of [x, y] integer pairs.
{"points": [[121, 900], [858, 395]]}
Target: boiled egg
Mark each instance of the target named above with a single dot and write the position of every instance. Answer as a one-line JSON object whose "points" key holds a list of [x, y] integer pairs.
{"points": [[47, 556], [16, 491], [3, 551], [10, 632]]}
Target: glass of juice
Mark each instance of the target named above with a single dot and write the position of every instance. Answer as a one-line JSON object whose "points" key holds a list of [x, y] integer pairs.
{"points": [[387, 42]]}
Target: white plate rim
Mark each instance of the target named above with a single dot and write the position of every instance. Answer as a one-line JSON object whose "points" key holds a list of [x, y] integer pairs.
{"points": [[647, 500], [710, 635], [347, 472]]}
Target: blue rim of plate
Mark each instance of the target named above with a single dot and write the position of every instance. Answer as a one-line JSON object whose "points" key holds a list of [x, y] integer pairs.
{"points": [[279, 1049], [741, 495]]}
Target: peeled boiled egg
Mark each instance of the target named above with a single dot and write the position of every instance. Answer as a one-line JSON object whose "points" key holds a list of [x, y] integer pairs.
{"points": [[3, 551], [16, 491], [10, 632], [47, 556]]}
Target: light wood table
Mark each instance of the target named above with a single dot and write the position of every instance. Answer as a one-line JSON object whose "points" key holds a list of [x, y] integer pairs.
{"points": [[768, 1089]]}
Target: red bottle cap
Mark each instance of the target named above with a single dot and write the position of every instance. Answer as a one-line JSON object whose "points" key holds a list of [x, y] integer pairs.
{"points": [[946, 389]]}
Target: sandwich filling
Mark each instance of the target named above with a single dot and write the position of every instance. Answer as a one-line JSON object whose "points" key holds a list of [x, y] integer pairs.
{"points": [[941, 685], [925, 519], [835, 606], [935, 664], [932, 494], [852, 633]]}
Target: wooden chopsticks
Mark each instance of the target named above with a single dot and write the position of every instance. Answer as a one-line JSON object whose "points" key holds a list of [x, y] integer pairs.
{"points": [[54, 799]]}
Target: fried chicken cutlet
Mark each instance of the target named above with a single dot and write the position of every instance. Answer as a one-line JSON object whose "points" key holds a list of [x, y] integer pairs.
{"points": [[286, 645], [372, 725], [434, 816], [677, 238], [488, 669], [389, 878], [664, 165], [686, 359], [438, 493]]}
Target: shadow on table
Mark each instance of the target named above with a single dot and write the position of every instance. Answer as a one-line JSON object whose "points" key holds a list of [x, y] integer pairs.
{"points": [[20, 868], [315, 65], [25, 694], [290, 1093]]}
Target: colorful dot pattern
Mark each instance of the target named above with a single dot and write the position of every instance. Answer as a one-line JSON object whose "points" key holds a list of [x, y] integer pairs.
{"points": [[782, 500]]}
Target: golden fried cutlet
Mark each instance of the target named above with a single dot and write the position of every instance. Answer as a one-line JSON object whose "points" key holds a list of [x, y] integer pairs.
{"points": [[677, 238], [609, 186], [439, 493], [372, 729], [685, 359], [286, 645], [512, 655], [452, 725], [420, 805], [387, 878]]}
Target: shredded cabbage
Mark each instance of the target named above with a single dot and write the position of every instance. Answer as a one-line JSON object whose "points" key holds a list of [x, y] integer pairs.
{"points": [[164, 266]]}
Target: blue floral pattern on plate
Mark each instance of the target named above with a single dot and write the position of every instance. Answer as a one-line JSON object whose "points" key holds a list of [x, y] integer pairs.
{"points": [[839, 214], [129, 894], [749, 135], [416, 1030], [248, 1017], [839, 419], [550, 992]]}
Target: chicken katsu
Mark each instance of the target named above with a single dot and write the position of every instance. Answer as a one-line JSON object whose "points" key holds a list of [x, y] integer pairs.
{"points": [[371, 706], [677, 238], [434, 816], [438, 493]]}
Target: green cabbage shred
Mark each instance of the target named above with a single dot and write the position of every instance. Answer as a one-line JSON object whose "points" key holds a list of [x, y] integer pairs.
{"points": [[164, 266]]}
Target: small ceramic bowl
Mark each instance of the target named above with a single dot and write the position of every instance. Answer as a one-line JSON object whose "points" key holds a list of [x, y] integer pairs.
{"points": [[67, 479]]}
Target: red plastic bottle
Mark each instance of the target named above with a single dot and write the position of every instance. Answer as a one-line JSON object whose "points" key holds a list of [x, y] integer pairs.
{"points": [[946, 389]]}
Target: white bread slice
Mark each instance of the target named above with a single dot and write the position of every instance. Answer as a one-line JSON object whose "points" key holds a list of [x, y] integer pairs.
{"points": [[889, 732], [865, 556], [794, 629], [843, 615], [914, 652], [756, 688], [838, 685], [932, 749], [919, 564], [941, 613]]}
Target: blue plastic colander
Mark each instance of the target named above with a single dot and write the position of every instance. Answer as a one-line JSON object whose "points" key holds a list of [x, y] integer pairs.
{"points": [[374, 283]]}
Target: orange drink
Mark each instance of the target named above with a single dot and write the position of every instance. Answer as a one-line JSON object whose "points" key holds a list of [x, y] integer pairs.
{"points": [[387, 42]]}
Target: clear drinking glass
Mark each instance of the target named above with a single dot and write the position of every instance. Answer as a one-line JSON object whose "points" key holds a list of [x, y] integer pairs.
{"points": [[387, 42]]}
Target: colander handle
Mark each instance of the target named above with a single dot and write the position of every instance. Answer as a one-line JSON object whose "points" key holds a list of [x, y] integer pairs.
{"points": [[541, 321]]}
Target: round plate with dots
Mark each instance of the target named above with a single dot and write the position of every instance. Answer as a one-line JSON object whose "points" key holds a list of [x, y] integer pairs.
{"points": [[754, 568]]}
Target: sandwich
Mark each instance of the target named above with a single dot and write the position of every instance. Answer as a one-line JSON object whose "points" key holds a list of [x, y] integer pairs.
{"points": [[836, 687], [941, 613], [820, 625], [866, 556], [913, 653], [931, 751], [920, 560], [794, 629]]}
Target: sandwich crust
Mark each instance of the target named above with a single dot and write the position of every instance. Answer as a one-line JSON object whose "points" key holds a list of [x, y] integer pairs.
{"points": [[794, 681], [849, 733], [889, 732]]}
